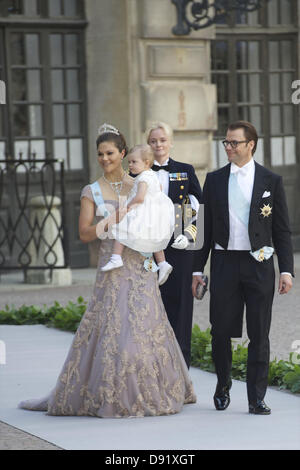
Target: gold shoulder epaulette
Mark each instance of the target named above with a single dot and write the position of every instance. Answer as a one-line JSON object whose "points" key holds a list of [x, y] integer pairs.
{"points": [[192, 231]]}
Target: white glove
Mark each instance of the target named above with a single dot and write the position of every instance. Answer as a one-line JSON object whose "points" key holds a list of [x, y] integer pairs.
{"points": [[181, 242]]}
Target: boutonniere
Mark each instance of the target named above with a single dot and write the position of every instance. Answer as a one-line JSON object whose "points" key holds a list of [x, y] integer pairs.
{"points": [[266, 210]]}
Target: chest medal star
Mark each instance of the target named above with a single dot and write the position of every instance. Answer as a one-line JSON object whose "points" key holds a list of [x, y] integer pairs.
{"points": [[266, 210]]}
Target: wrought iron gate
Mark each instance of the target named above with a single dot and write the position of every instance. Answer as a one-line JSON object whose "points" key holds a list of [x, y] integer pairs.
{"points": [[32, 204]]}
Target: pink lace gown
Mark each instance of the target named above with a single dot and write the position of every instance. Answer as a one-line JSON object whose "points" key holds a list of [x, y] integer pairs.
{"points": [[124, 360]]}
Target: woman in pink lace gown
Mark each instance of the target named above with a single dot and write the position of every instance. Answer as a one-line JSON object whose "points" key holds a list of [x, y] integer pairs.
{"points": [[124, 360]]}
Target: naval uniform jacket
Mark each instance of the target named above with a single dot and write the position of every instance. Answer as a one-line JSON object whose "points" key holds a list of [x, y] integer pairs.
{"points": [[182, 182], [176, 292]]}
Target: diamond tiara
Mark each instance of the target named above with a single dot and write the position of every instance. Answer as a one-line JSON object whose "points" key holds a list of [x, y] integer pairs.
{"points": [[105, 128]]}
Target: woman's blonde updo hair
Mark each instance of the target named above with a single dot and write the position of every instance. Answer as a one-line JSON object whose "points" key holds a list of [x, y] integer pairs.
{"points": [[160, 125], [145, 152]]}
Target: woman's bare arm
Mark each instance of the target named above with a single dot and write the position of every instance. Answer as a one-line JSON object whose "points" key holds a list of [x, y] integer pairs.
{"points": [[87, 230]]}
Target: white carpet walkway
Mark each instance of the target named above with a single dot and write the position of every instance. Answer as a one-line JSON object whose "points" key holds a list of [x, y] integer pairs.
{"points": [[34, 357]]}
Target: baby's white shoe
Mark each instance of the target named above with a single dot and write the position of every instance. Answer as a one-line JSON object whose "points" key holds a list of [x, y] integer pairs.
{"points": [[165, 270], [112, 264]]}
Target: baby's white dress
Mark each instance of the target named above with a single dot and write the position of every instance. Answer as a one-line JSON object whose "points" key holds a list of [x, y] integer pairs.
{"points": [[149, 226]]}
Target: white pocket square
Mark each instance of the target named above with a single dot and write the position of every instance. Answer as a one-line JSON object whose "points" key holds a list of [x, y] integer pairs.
{"points": [[266, 194]]}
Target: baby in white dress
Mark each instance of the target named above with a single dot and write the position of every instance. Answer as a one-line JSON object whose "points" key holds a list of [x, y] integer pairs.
{"points": [[148, 223]]}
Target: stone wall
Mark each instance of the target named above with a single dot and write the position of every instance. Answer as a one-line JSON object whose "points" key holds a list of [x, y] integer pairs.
{"points": [[170, 81], [139, 72], [107, 71]]}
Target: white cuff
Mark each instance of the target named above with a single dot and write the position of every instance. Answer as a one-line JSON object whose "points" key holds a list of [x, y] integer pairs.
{"points": [[197, 274]]}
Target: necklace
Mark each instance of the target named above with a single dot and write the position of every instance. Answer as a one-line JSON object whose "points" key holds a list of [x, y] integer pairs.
{"points": [[116, 186]]}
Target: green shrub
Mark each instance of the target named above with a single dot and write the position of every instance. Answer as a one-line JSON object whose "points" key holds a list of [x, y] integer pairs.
{"points": [[201, 349], [292, 379], [65, 318], [69, 317], [284, 374], [239, 361], [24, 315]]}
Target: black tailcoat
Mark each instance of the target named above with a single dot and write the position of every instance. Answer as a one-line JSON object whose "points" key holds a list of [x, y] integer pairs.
{"points": [[237, 279], [262, 230]]}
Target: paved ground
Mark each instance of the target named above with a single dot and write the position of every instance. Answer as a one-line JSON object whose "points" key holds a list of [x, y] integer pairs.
{"points": [[35, 355], [12, 438], [285, 328]]}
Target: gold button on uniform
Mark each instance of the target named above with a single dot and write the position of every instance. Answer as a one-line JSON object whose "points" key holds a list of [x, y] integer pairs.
{"points": [[181, 187], [181, 196]]}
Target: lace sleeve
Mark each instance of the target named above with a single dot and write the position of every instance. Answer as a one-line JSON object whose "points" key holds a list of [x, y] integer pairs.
{"points": [[87, 192]]}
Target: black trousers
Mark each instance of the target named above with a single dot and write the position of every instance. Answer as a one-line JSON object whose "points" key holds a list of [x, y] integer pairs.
{"points": [[178, 298], [238, 281]]}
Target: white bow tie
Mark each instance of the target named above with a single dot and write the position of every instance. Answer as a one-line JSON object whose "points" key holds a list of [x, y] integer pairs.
{"points": [[241, 170]]}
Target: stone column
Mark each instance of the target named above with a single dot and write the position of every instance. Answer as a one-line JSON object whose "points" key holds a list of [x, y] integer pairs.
{"points": [[46, 231], [107, 71], [107, 78]]}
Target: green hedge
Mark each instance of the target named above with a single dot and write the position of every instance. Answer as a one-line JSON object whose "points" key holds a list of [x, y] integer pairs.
{"points": [[64, 318], [284, 374]]}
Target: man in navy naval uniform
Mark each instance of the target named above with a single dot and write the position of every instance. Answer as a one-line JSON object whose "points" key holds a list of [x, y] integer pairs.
{"points": [[181, 184], [245, 212]]}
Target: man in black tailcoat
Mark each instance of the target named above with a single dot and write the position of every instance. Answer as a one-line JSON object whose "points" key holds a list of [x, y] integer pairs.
{"points": [[245, 213]]}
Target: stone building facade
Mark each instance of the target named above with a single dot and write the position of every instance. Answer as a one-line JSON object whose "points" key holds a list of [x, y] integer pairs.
{"points": [[71, 65], [142, 73]]}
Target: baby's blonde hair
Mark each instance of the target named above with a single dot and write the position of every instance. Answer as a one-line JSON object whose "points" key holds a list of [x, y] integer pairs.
{"points": [[145, 152]]}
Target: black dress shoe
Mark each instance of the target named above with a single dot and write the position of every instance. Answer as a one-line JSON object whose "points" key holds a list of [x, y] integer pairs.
{"points": [[259, 408], [222, 396]]}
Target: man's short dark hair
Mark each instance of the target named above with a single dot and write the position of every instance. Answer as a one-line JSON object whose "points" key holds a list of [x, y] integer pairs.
{"points": [[249, 131]]}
